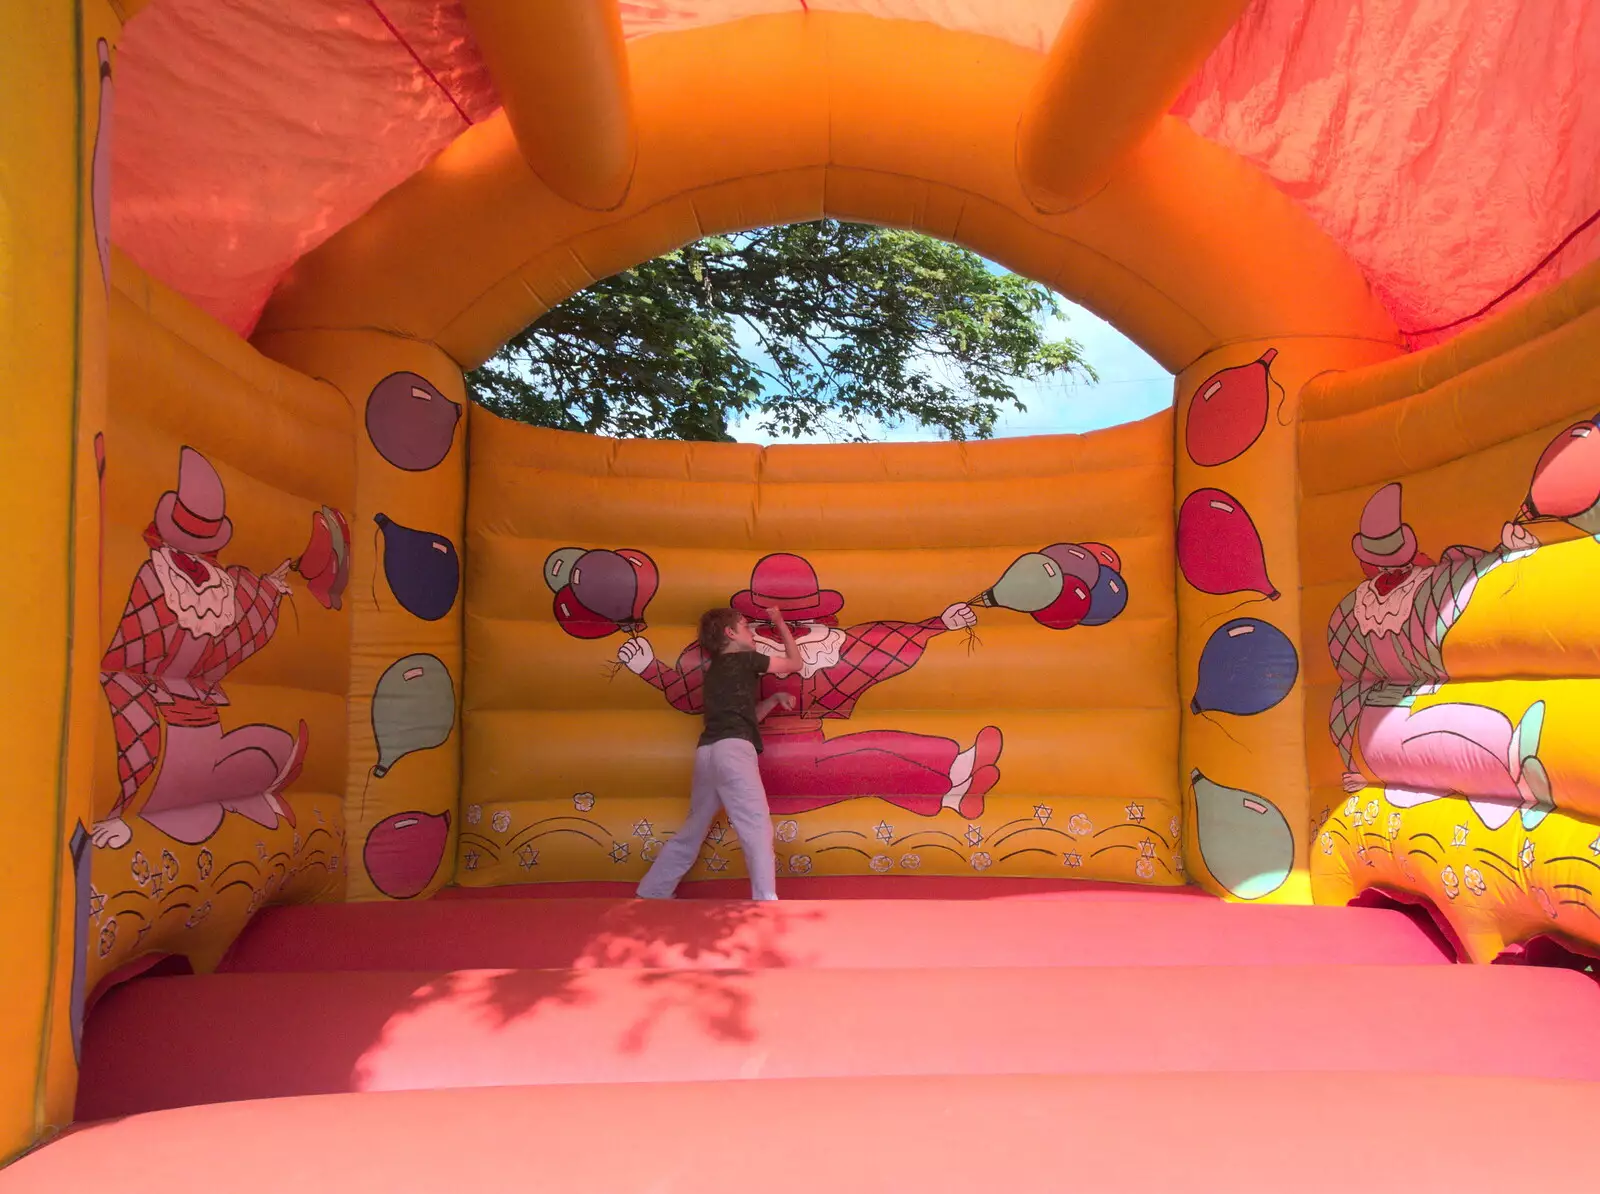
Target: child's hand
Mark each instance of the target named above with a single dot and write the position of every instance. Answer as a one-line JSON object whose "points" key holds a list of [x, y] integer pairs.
{"points": [[783, 700], [774, 615]]}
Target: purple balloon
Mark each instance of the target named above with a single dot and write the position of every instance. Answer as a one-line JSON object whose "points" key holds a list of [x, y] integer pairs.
{"points": [[605, 584], [1075, 561]]}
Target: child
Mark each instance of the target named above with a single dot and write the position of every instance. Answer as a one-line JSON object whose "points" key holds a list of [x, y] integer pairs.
{"points": [[725, 768]]}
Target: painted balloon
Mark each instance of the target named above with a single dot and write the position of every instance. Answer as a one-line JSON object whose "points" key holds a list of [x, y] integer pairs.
{"points": [[1228, 411], [578, 620], [403, 852], [1566, 481], [648, 579], [1246, 668], [558, 566], [1105, 555], [1108, 599], [606, 584], [410, 422], [421, 567], [1219, 550], [83, 906], [413, 708], [1067, 610], [100, 164], [1031, 583], [1245, 841], [1075, 561]]}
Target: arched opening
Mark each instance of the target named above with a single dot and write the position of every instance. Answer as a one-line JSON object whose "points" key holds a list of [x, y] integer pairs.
{"points": [[817, 333]]}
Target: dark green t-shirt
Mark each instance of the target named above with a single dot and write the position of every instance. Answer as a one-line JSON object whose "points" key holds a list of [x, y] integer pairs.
{"points": [[729, 697]]}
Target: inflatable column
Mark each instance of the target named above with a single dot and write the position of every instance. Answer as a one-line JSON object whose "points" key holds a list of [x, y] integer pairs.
{"points": [[56, 66], [405, 598], [1240, 640]]}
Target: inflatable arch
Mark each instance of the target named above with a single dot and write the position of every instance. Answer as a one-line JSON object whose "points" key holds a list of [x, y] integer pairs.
{"points": [[301, 626]]}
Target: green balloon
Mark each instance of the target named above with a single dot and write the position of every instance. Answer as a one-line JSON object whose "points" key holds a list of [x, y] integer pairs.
{"points": [[413, 708], [1244, 840], [558, 566], [1032, 582]]}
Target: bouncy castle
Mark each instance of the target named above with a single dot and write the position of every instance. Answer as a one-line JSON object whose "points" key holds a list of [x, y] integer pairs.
{"points": [[1211, 801]]}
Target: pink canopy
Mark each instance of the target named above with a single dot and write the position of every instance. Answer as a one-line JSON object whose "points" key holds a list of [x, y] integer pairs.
{"points": [[1444, 144]]}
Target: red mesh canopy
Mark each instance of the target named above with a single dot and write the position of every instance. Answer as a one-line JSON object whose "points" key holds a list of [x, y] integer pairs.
{"points": [[1443, 143]]}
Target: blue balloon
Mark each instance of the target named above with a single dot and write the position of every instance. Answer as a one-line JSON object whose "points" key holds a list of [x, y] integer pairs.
{"points": [[1247, 667], [422, 569], [1107, 599]]}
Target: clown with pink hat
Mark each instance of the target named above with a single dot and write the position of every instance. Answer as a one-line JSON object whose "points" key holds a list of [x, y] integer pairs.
{"points": [[189, 622], [801, 767], [1386, 640]]}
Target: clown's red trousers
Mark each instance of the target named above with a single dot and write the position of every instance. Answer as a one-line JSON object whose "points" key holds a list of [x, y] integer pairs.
{"points": [[802, 770]]}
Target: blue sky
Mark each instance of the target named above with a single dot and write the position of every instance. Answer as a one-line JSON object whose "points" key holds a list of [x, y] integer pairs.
{"points": [[1131, 386]]}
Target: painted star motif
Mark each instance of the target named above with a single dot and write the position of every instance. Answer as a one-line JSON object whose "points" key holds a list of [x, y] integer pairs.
{"points": [[1594, 847], [718, 834], [1135, 813], [1042, 813], [470, 860], [884, 830], [527, 857], [619, 851], [1460, 838], [1072, 858], [716, 863], [974, 835], [643, 829], [97, 902], [1527, 853], [1147, 848]]}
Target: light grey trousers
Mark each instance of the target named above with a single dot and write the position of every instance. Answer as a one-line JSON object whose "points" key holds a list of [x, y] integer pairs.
{"points": [[726, 776]]}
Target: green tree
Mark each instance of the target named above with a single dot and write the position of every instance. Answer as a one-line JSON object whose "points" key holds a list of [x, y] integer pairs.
{"points": [[822, 327]]}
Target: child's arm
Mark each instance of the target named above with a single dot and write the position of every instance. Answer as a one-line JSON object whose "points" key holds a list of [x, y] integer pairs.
{"points": [[776, 700], [790, 662]]}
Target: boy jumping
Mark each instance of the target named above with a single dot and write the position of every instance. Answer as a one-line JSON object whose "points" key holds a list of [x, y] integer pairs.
{"points": [[725, 766]]}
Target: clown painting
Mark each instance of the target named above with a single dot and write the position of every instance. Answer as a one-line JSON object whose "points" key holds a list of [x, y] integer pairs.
{"points": [[1387, 643], [801, 768], [189, 622]]}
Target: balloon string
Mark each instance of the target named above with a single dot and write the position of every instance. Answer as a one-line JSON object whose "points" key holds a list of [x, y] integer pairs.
{"points": [[611, 669], [973, 641], [1234, 608], [370, 772], [294, 609], [1283, 397], [1207, 715]]}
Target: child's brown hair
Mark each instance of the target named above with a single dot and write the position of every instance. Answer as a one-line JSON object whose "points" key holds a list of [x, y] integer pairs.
{"points": [[714, 627]]}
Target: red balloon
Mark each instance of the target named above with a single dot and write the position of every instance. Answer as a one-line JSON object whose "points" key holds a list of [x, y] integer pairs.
{"points": [[1105, 555], [1228, 411], [1067, 610], [1219, 550], [649, 580], [1566, 481], [578, 621]]}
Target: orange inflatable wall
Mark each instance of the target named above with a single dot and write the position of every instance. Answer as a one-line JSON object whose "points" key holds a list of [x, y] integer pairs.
{"points": [[934, 734]]}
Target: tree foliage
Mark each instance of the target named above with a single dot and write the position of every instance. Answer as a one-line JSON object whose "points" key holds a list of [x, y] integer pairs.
{"points": [[822, 328]]}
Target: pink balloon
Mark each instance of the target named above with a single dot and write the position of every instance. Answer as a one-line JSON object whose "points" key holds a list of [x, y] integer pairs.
{"points": [[1067, 610], [1219, 550], [1228, 411], [578, 621], [1566, 481], [649, 579]]}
